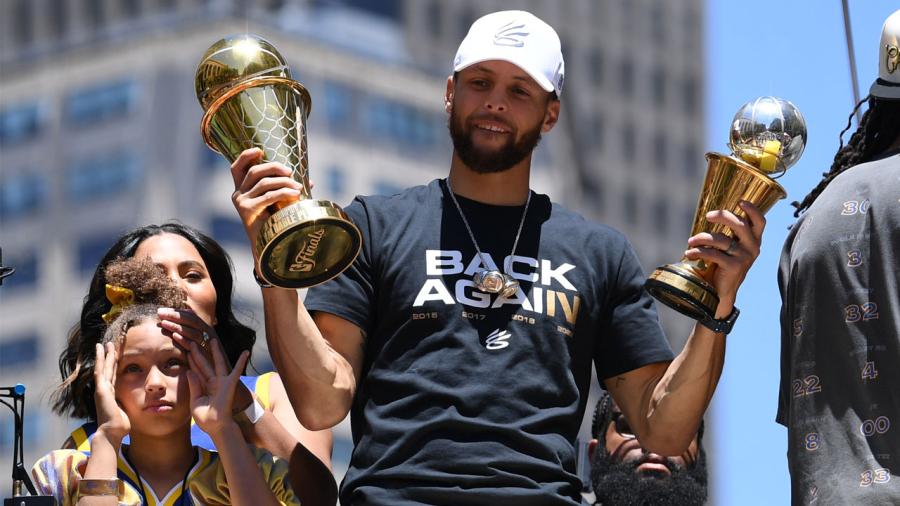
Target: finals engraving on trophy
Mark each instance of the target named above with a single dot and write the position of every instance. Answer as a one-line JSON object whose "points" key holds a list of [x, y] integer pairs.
{"points": [[305, 259]]}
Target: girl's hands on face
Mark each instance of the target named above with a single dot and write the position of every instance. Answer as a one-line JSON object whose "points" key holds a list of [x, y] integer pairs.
{"points": [[111, 418], [185, 327], [213, 387]]}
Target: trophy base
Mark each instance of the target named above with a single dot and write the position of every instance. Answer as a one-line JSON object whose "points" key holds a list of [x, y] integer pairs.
{"points": [[682, 289], [306, 243]]}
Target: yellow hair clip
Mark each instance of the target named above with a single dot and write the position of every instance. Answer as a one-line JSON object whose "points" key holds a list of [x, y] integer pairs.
{"points": [[120, 297]]}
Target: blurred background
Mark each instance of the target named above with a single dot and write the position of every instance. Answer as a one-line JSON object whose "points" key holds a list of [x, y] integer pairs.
{"points": [[99, 133]]}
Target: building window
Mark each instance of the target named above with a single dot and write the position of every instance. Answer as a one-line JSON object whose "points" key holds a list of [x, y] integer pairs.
{"points": [[18, 352], [630, 206], [336, 181], [96, 12], [691, 27], [110, 175], [90, 251], [339, 107], [659, 152], [691, 96], [23, 15], [693, 161], [626, 78], [101, 103], [26, 274], [658, 83], [594, 189], [227, 230], [434, 19], [592, 133], [391, 9], [660, 216], [629, 143], [59, 17], [597, 67], [22, 195], [464, 20], [32, 436], [401, 124], [132, 8], [20, 123], [688, 217], [658, 23], [626, 9], [383, 187], [211, 161]]}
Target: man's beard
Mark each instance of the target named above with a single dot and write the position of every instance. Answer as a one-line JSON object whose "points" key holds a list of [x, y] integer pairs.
{"points": [[617, 484], [484, 161]]}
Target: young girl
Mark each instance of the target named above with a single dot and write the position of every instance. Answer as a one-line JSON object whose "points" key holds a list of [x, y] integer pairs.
{"points": [[148, 387]]}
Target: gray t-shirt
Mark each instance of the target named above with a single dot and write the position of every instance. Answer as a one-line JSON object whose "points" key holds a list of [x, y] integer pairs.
{"points": [[468, 398], [839, 397]]}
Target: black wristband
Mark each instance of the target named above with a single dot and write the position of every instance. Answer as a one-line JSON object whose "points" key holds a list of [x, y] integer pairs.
{"points": [[260, 281], [722, 326]]}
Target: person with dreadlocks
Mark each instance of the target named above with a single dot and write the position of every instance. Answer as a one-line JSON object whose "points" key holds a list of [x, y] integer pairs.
{"points": [[624, 473], [839, 278], [149, 387]]}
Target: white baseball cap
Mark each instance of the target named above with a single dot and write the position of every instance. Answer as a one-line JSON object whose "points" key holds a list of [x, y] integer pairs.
{"points": [[887, 85], [520, 38]]}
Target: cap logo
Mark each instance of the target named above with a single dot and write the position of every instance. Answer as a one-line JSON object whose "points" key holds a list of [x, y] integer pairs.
{"points": [[892, 58], [508, 36], [559, 77]]}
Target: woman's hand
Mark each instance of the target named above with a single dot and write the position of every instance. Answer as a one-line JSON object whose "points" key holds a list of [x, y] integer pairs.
{"points": [[185, 327], [213, 388], [111, 419]]}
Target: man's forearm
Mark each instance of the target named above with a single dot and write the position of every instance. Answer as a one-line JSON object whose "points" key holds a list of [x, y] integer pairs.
{"points": [[680, 398], [319, 381]]}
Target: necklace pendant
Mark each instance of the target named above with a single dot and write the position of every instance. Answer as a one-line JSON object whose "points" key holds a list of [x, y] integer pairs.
{"points": [[510, 287], [489, 281], [492, 281]]}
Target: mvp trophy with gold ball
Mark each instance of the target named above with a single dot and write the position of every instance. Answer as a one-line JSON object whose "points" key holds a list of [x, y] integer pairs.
{"points": [[250, 101], [767, 136]]}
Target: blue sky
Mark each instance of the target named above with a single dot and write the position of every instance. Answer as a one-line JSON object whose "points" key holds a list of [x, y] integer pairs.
{"points": [[795, 50]]}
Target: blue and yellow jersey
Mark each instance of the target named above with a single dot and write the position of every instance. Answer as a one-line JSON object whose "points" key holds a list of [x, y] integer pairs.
{"points": [[59, 472], [259, 385]]}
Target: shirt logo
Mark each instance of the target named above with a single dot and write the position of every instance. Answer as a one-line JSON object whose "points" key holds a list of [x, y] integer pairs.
{"points": [[508, 35], [498, 339]]}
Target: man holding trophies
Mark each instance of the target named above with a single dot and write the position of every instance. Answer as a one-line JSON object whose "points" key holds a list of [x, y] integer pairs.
{"points": [[461, 338]]}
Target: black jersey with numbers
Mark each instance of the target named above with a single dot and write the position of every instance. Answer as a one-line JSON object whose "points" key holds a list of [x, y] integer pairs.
{"points": [[472, 398], [840, 341]]}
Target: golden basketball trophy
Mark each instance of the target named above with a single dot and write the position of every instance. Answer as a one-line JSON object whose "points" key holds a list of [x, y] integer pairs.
{"points": [[767, 136], [250, 100]]}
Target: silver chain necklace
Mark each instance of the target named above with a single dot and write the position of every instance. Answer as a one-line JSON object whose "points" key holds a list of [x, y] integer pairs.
{"points": [[492, 280]]}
